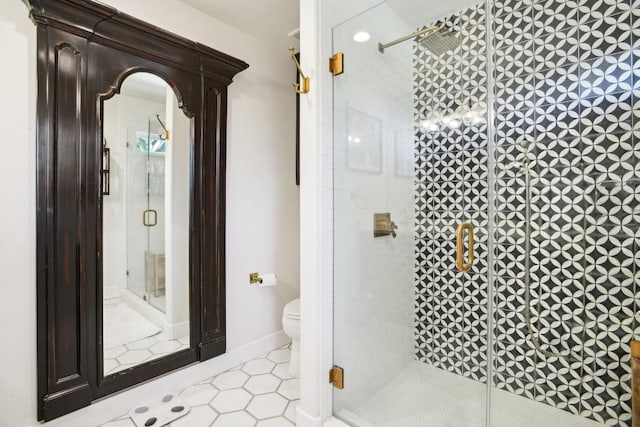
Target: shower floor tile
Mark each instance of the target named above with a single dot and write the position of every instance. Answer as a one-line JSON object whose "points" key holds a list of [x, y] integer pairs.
{"points": [[422, 395], [258, 393]]}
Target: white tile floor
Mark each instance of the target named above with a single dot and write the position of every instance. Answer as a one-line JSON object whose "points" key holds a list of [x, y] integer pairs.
{"points": [[259, 393], [144, 342], [140, 351]]}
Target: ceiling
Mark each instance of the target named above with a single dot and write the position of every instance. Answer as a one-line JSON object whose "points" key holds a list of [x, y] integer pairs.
{"points": [[269, 20], [272, 20], [417, 13]]}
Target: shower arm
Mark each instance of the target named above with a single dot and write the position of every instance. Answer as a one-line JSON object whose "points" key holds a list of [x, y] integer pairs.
{"points": [[430, 30]]}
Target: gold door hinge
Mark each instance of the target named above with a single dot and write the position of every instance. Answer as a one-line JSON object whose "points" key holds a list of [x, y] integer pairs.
{"points": [[336, 377], [336, 64]]}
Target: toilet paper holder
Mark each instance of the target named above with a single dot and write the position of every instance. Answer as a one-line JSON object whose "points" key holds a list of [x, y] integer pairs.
{"points": [[255, 278], [265, 280]]}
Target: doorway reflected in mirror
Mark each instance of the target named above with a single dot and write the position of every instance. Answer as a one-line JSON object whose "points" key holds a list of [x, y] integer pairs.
{"points": [[145, 225]]}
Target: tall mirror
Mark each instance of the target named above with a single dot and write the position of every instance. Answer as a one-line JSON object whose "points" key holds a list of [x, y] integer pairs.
{"points": [[131, 191], [145, 224]]}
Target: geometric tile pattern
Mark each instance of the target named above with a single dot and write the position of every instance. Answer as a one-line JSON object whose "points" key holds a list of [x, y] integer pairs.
{"points": [[567, 102], [258, 393], [134, 353], [141, 346], [564, 75], [451, 187]]}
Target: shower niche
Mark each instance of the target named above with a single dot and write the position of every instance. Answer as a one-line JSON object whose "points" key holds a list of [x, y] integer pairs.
{"points": [[131, 144]]}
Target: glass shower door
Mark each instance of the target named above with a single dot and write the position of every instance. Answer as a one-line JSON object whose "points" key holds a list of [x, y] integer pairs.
{"points": [[537, 331], [145, 211], [410, 328]]}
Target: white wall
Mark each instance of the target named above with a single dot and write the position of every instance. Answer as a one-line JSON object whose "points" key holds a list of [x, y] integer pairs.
{"points": [[17, 218], [177, 224], [262, 216]]}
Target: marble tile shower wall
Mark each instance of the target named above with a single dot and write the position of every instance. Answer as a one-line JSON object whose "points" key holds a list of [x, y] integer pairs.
{"points": [[566, 88]]}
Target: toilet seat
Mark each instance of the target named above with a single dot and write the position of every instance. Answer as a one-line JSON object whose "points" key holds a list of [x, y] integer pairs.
{"points": [[292, 309]]}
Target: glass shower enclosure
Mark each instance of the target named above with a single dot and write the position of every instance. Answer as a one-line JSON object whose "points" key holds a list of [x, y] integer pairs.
{"points": [[486, 209], [145, 210]]}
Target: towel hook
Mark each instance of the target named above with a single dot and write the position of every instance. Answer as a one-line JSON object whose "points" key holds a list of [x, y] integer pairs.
{"points": [[304, 80], [167, 133]]}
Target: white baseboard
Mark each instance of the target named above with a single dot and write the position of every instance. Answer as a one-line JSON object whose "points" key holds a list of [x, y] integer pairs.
{"points": [[111, 292], [175, 330], [334, 422], [304, 419], [116, 405], [149, 312]]}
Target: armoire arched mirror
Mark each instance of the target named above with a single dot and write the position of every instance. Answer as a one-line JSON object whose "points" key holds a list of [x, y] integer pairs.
{"points": [[131, 153]]}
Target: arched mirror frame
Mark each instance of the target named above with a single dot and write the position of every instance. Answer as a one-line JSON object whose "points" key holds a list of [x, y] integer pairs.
{"points": [[85, 52]]}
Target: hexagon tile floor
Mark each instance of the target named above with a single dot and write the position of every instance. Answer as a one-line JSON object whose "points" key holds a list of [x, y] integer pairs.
{"points": [[259, 393]]}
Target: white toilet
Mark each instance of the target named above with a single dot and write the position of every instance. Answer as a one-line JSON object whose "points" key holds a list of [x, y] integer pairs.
{"points": [[291, 327]]}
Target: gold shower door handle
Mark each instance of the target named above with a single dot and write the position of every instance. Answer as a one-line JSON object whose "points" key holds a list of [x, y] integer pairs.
{"points": [[145, 217], [462, 266]]}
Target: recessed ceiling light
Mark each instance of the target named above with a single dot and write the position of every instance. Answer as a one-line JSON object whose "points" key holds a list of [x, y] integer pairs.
{"points": [[361, 36]]}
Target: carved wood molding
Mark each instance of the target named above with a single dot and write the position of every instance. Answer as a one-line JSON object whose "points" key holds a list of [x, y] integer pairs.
{"points": [[110, 27]]}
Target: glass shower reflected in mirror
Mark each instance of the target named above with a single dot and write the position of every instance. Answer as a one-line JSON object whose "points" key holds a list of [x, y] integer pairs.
{"points": [[145, 221]]}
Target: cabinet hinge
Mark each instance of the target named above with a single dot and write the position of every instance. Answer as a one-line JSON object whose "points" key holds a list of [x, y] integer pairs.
{"points": [[336, 64], [336, 377]]}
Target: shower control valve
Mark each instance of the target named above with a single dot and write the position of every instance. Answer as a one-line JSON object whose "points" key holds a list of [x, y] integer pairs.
{"points": [[383, 226]]}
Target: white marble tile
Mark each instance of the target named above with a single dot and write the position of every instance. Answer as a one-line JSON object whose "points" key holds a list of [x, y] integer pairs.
{"points": [[264, 383], [142, 344], [120, 423], [275, 422], [290, 412], [267, 405], [109, 365], [231, 400], [282, 371], [164, 347], [199, 394], [290, 389], [112, 353], [258, 366], [279, 356], [234, 419], [230, 379], [135, 356]]}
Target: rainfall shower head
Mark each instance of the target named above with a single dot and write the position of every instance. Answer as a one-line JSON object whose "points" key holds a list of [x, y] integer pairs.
{"points": [[438, 39], [440, 42]]}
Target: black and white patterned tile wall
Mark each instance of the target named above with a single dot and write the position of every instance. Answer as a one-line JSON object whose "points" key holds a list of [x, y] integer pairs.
{"points": [[452, 187], [567, 127]]}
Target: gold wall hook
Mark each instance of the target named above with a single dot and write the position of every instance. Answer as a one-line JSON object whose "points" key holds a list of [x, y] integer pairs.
{"points": [[305, 82], [167, 132]]}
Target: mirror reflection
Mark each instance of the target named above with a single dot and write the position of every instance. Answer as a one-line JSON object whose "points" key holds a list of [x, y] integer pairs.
{"points": [[145, 226]]}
